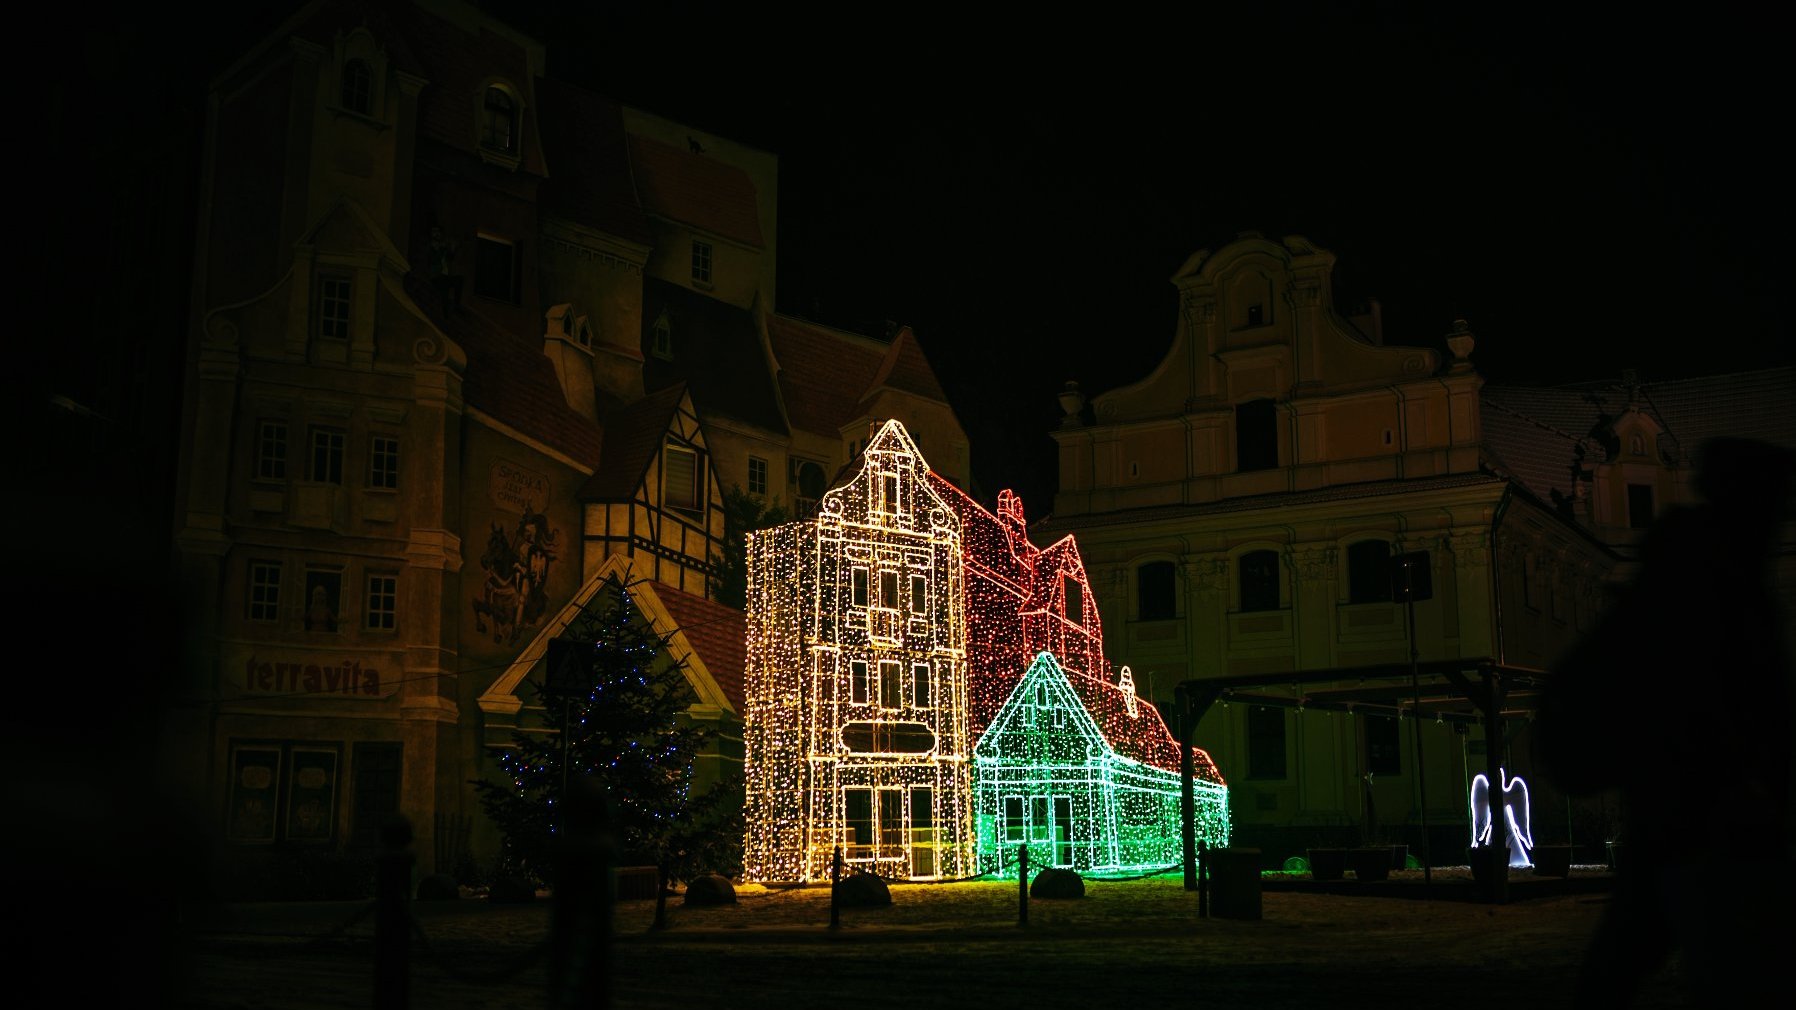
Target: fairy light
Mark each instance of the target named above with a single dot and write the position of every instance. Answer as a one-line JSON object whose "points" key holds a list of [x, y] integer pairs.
{"points": [[1520, 837], [887, 634], [856, 682], [1073, 767]]}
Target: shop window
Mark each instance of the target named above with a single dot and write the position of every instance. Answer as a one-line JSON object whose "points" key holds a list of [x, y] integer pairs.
{"points": [[282, 791]]}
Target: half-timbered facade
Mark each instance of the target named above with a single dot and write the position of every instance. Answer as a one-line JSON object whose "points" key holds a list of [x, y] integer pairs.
{"points": [[856, 732]]}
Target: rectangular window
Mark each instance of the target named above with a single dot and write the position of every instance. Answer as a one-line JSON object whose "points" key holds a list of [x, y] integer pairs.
{"points": [[383, 462], [1156, 595], [1063, 831], [701, 262], [679, 484], [1013, 819], [264, 591], [757, 475], [860, 587], [495, 268], [890, 685], [327, 456], [383, 602], [919, 594], [1074, 595], [1383, 747], [891, 821], [888, 501], [888, 591], [922, 830], [1640, 506], [374, 771], [1265, 742], [271, 450], [1038, 818], [333, 307], [283, 791], [1369, 572], [857, 682], [311, 794], [1256, 436], [919, 685], [858, 804], [1259, 581]]}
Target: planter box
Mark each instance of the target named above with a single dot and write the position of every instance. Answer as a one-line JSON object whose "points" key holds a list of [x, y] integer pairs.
{"points": [[1372, 863], [1552, 860], [1328, 864]]}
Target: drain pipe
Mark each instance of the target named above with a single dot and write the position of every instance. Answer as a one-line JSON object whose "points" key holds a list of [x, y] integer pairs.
{"points": [[1496, 568]]}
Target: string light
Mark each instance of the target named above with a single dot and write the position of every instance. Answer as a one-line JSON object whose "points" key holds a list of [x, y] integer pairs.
{"points": [[890, 631], [1076, 769]]}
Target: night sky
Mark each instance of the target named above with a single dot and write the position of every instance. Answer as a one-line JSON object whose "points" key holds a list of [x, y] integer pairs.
{"points": [[1592, 191]]}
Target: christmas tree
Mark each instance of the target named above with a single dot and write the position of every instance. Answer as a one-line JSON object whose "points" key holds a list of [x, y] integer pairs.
{"points": [[614, 699]]}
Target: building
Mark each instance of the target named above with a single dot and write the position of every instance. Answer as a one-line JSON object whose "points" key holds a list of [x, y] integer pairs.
{"points": [[1087, 776], [441, 383], [1239, 508], [856, 730]]}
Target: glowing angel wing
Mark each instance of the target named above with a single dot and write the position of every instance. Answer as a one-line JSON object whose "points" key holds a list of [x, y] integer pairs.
{"points": [[1480, 810], [1517, 811]]}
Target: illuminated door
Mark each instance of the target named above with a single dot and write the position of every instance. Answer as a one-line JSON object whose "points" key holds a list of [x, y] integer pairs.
{"points": [[858, 808], [1063, 831], [1041, 828], [922, 831]]}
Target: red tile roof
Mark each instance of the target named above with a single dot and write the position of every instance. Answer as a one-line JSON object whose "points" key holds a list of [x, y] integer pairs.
{"points": [[510, 379], [823, 373], [589, 163], [1143, 736], [719, 634], [717, 351], [696, 190], [905, 368]]}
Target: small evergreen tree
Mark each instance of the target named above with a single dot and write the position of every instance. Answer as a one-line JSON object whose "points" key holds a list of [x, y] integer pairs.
{"points": [[743, 513], [627, 733]]}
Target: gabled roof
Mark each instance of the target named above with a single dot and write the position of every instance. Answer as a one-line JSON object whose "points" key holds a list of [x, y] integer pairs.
{"points": [[1541, 434], [904, 368], [717, 350], [633, 436], [1140, 736], [650, 598], [825, 374], [589, 162], [1050, 562], [510, 379], [693, 189], [990, 550]]}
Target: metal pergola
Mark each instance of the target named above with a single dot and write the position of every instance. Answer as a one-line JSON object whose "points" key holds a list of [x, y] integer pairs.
{"points": [[1461, 691]]}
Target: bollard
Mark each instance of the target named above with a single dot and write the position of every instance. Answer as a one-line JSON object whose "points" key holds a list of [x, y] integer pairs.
{"points": [[580, 922], [1203, 881], [393, 916], [1022, 885], [835, 900]]}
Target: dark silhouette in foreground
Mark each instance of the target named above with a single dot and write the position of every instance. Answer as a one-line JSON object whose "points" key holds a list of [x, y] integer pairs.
{"points": [[1680, 698]]}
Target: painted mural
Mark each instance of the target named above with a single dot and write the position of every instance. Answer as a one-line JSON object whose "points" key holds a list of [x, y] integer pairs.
{"points": [[513, 593]]}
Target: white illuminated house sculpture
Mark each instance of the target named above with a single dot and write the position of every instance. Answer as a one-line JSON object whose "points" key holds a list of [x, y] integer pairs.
{"points": [[856, 728]]}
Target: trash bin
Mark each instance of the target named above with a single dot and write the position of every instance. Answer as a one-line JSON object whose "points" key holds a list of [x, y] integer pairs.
{"points": [[1234, 883]]}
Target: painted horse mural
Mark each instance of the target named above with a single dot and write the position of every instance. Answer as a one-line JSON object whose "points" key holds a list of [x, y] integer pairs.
{"points": [[513, 595]]}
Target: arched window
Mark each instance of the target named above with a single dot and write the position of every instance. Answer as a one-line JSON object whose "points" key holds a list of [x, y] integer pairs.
{"points": [[499, 121], [1369, 572], [358, 87], [1259, 580], [1155, 591]]}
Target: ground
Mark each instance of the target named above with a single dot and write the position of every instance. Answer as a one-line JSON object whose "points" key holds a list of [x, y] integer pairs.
{"points": [[947, 945]]}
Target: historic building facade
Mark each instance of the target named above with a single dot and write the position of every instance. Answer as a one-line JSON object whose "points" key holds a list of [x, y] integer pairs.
{"points": [[1238, 510], [433, 397]]}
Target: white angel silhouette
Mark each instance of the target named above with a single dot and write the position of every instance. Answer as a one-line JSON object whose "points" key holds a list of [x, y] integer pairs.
{"points": [[1517, 833]]}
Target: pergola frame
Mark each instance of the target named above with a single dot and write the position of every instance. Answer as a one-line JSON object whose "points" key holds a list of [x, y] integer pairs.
{"points": [[1463, 691]]}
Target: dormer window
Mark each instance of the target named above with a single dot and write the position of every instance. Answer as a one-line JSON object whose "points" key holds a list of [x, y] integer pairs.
{"points": [[701, 263], [1637, 445], [661, 341], [499, 121], [583, 332], [1075, 600], [358, 87], [679, 487]]}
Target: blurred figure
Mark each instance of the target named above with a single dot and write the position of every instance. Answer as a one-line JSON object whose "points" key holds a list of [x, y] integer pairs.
{"points": [[1680, 698]]}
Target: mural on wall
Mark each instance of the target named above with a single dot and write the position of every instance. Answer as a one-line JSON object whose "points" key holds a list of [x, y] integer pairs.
{"points": [[513, 595]]}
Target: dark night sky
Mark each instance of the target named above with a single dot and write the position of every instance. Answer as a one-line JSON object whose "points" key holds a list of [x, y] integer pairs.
{"points": [[1592, 191]]}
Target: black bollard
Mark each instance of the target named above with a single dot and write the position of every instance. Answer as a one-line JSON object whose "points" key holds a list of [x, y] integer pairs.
{"points": [[580, 923], [835, 899], [1203, 881], [393, 916], [1022, 885]]}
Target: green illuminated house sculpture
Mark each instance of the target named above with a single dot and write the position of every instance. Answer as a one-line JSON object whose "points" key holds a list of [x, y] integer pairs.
{"points": [[1087, 776]]}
